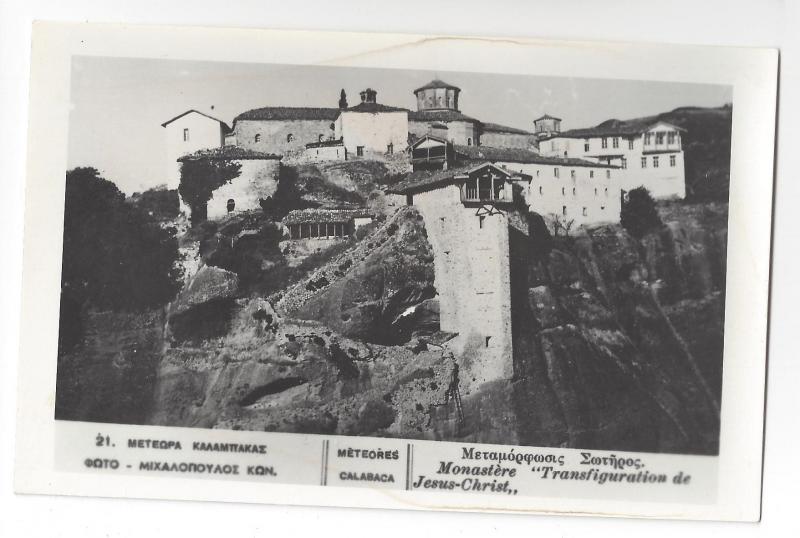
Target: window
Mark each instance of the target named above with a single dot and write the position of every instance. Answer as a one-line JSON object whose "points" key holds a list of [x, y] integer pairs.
{"points": [[602, 208], [537, 173], [360, 151], [630, 143], [555, 172], [672, 160], [671, 137], [573, 191], [655, 161], [290, 137], [257, 138], [572, 174], [390, 149], [564, 210], [595, 191], [591, 174], [540, 189], [586, 145], [648, 138], [644, 162], [624, 163], [480, 221], [320, 138], [186, 135], [488, 339], [659, 138], [563, 191], [615, 142], [604, 143], [231, 205], [606, 193], [469, 141], [584, 212], [608, 174]]}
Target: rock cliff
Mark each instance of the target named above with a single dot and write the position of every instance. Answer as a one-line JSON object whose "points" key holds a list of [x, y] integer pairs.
{"points": [[617, 344]]}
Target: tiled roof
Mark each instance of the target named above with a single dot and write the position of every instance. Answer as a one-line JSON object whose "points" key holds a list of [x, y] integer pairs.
{"points": [[496, 127], [303, 216], [439, 115], [614, 127], [228, 153], [288, 113], [179, 116], [436, 83], [424, 180], [547, 117], [524, 156], [374, 107]]}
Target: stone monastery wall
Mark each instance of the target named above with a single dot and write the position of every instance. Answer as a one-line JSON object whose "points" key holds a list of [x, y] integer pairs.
{"points": [[472, 277], [258, 179], [583, 194], [274, 134]]}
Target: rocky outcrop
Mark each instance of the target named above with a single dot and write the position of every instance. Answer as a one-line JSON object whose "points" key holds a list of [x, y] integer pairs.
{"points": [[617, 345], [202, 309], [381, 292]]}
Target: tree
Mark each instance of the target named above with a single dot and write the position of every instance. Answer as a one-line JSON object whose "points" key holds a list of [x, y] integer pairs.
{"points": [[639, 215], [200, 177], [115, 256], [342, 100]]}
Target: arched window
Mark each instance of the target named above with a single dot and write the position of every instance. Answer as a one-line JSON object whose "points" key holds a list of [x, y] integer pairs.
{"points": [[320, 138], [257, 138], [231, 205], [290, 137], [469, 141]]}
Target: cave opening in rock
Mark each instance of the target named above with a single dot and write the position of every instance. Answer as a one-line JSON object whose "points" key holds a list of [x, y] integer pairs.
{"points": [[273, 387]]}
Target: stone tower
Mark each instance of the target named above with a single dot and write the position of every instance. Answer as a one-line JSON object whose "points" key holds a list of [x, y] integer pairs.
{"points": [[437, 95]]}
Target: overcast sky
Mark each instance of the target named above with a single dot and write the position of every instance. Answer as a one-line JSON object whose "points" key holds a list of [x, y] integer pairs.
{"points": [[118, 104]]}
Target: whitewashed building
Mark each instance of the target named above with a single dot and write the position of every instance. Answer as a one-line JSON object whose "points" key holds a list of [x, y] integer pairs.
{"points": [[576, 191], [186, 133], [370, 129], [649, 152]]}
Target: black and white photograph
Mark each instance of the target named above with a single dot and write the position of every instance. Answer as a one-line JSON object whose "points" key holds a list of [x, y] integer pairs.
{"points": [[396, 271], [472, 257]]}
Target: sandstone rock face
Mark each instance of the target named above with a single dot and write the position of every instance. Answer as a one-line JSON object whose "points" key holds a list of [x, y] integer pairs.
{"points": [[617, 345], [382, 293], [202, 308]]}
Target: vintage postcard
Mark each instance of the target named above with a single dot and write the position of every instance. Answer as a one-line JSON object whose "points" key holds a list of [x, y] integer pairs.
{"points": [[396, 271]]}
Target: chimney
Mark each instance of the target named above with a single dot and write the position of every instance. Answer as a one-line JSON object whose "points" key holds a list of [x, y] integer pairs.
{"points": [[369, 96]]}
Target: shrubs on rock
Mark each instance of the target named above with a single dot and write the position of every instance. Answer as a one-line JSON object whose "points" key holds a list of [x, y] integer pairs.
{"points": [[639, 215]]}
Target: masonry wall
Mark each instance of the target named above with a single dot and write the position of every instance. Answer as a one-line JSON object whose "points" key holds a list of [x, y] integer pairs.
{"points": [[664, 181], [497, 139], [258, 179], [472, 277], [373, 131], [274, 134], [581, 194], [204, 133], [463, 133]]}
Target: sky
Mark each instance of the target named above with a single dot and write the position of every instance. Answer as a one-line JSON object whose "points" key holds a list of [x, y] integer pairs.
{"points": [[117, 105]]}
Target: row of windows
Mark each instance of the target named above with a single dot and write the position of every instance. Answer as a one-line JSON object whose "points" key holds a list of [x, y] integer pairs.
{"points": [[574, 191], [573, 174], [671, 136], [604, 143], [584, 210], [672, 161]]}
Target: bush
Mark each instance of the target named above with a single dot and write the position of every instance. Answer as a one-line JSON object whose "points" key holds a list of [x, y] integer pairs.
{"points": [[200, 178], [115, 256], [639, 215]]}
